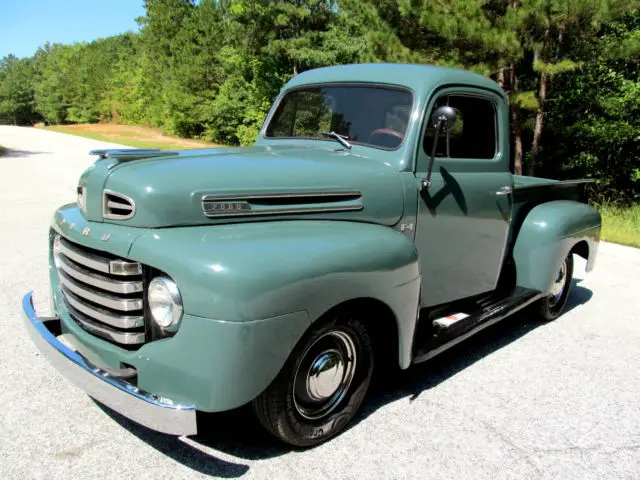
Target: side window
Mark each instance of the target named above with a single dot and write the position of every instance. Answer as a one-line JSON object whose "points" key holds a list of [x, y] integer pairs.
{"points": [[474, 133]]}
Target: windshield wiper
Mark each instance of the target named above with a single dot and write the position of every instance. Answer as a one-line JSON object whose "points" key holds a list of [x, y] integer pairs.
{"points": [[341, 138]]}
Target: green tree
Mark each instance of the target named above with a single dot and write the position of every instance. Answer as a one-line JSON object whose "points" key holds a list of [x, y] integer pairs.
{"points": [[196, 72], [48, 83], [550, 30], [159, 27], [16, 90], [594, 125]]}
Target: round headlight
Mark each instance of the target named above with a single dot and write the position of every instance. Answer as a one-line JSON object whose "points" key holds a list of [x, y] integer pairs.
{"points": [[165, 303], [57, 251]]}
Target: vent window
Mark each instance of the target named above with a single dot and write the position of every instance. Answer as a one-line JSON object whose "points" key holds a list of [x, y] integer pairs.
{"points": [[116, 206]]}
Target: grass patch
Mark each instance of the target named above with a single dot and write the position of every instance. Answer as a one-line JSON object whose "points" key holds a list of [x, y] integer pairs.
{"points": [[3, 150], [131, 136], [621, 224]]}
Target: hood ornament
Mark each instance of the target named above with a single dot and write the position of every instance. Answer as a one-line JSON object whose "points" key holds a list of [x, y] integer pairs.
{"points": [[127, 154]]}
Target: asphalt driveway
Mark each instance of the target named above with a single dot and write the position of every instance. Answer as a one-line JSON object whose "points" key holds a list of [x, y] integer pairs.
{"points": [[522, 400]]}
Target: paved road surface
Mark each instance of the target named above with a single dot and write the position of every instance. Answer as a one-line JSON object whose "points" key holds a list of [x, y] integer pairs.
{"points": [[523, 400]]}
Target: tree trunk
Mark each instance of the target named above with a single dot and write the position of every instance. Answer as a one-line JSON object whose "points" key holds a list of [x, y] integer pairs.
{"points": [[542, 95], [501, 77], [560, 38], [297, 33], [15, 122], [537, 132], [516, 125], [516, 119]]}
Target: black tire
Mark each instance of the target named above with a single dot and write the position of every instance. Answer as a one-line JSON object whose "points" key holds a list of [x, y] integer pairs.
{"points": [[550, 307], [287, 408]]}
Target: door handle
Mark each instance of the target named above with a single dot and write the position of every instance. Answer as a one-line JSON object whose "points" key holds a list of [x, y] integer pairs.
{"points": [[506, 190]]}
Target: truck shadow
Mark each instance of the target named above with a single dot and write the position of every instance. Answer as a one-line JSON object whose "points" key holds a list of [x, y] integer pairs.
{"points": [[178, 450], [10, 153], [420, 378], [238, 433]]}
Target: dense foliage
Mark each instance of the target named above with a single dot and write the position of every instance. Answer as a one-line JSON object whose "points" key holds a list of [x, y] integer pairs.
{"points": [[211, 68]]}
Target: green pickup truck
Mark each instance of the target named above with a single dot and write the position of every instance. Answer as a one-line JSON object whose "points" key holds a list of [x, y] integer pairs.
{"points": [[373, 224]]}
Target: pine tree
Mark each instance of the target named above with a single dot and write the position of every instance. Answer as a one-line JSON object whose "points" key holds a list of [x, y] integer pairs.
{"points": [[546, 24], [16, 92], [159, 27]]}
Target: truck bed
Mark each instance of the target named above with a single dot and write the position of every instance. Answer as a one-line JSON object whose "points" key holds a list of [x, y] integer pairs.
{"points": [[531, 191], [537, 190]]}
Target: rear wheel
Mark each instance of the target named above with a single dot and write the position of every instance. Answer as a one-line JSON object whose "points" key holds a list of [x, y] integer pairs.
{"points": [[550, 307], [322, 384]]}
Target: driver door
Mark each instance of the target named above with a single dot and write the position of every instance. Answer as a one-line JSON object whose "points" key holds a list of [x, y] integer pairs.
{"points": [[464, 216]]}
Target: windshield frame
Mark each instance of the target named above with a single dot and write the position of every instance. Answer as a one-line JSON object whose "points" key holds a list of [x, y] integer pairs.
{"points": [[388, 86]]}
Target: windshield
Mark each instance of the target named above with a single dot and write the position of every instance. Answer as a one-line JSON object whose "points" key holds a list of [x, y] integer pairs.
{"points": [[374, 116]]}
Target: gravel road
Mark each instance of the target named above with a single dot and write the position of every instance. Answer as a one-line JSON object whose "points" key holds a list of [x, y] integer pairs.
{"points": [[522, 400]]}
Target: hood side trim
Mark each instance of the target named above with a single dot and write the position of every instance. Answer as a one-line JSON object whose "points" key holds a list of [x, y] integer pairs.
{"points": [[216, 206], [288, 195]]}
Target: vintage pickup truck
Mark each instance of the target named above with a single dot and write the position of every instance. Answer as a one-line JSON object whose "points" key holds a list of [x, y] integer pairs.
{"points": [[373, 224]]}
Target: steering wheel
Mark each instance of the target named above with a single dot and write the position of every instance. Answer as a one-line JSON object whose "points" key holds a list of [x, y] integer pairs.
{"points": [[387, 131]]}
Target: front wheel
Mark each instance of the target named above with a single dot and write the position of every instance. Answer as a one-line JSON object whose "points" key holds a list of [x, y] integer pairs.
{"points": [[322, 384], [550, 307]]}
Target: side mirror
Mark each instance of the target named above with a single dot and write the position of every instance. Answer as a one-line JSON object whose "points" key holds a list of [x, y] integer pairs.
{"points": [[442, 120]]}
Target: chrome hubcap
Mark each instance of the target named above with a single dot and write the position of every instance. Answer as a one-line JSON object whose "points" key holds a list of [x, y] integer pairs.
{"points": [[324, 375], [558, 286]]}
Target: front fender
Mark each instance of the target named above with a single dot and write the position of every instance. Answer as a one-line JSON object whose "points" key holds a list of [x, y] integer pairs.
{"points": [[547, 235], [246, 272]]}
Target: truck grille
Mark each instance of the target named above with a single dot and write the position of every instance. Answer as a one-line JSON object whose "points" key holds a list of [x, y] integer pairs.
{"points": [[104, 295]]}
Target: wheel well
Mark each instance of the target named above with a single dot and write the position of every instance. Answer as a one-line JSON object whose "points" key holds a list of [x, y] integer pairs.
{"points": [[582, 249], [381, 324]]}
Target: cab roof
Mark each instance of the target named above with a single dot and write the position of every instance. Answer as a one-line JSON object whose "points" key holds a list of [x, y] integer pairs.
{"points": [[419, 78]]}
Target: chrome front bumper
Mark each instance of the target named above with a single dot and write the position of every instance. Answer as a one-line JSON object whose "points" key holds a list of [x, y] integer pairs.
{"points": [[154, 412]]}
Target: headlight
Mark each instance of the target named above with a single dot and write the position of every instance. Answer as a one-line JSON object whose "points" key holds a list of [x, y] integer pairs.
{"points": [[56, 251], [165, 303]]}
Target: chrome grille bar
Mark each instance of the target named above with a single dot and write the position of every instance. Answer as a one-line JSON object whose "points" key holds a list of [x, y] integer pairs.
{"points": [[124, 338], [97, 262], [102, 294], [99, 281], [118, 321], [86, 259], [96, 296]]}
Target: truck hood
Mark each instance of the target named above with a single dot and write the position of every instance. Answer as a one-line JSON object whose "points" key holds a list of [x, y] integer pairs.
{"points": [[256, 183]]}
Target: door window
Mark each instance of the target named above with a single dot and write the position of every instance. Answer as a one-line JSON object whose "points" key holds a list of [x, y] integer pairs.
{"points": [[472, 136]]}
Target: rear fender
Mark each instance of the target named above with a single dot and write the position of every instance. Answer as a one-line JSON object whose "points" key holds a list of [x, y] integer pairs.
{"points": [[548, 233]]}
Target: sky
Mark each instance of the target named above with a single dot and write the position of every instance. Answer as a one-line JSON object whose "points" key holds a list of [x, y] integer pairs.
{"points": [[26, 25]]}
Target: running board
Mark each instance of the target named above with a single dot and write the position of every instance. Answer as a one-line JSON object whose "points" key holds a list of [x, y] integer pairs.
{"points": [[465, 328]]}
